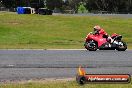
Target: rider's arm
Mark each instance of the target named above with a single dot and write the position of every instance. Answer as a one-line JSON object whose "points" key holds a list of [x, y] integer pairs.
{"points": [[103, 32]]}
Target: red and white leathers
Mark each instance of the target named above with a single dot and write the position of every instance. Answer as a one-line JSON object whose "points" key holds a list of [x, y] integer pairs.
{"points": [[101, 31]]}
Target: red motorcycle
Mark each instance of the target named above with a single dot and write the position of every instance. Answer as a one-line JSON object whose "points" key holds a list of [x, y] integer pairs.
{"points": [[95, 41]]}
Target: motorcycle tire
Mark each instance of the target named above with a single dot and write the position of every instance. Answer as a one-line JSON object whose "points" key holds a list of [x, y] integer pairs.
{"points": [[122, 48], [94, 48]]}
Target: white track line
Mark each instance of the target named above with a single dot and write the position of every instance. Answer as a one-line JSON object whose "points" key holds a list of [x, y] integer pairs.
{"points": [[53, 49], [43, 49], [66, 49]]}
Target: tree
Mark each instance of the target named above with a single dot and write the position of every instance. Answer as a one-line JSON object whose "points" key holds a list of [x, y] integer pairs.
{"points": [[81, 8], [52, 4], [9, 3], [98, 5], [74, 4]]}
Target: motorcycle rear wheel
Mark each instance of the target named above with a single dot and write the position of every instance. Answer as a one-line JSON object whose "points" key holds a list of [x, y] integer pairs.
{"points": [[121, 47]]}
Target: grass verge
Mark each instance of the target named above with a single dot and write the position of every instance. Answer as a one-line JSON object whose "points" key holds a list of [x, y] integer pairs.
{"points": [[62, 84], [46, 32]]}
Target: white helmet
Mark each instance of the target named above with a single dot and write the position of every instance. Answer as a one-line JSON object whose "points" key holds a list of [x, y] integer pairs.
{"points": [[97, 28]]}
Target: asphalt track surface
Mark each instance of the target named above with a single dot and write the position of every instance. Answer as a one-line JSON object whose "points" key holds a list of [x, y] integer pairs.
{"points": [[41, 64]]}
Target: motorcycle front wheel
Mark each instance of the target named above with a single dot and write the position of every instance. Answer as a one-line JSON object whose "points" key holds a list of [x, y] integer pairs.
{"points": [[91, 45]]}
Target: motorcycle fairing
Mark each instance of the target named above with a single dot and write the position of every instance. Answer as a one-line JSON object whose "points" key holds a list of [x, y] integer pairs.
{"points": [[98, 38]]}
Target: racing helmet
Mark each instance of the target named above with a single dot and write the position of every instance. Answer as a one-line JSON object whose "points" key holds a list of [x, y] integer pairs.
{"points": [[97, 28]]}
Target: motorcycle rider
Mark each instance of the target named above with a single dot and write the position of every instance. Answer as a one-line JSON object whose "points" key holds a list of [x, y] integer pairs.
{"points": [[100, 31]]}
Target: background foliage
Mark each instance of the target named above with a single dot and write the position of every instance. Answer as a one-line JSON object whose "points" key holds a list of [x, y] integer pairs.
{"points": [[91, 5]]}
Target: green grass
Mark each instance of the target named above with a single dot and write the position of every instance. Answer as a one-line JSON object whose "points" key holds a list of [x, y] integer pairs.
{"points": [[39, 31], [58, 84]]}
